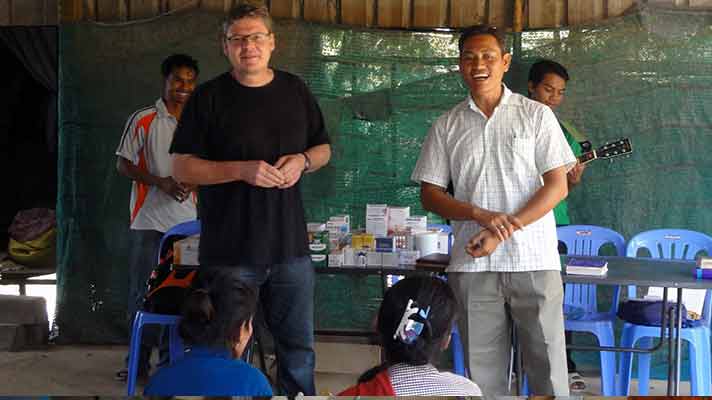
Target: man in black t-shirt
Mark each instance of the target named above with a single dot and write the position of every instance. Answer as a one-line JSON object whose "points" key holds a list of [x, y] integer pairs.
{"points": [[246, 137]]}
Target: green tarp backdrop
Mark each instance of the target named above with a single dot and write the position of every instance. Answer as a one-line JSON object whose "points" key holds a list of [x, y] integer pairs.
{"points": [[646, 76]]}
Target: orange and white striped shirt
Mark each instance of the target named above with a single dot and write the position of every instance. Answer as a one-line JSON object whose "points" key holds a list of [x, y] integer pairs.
{"points": [[145, 142]]}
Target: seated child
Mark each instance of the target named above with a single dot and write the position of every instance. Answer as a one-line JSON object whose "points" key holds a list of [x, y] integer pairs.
{"points": [[216, 326], [414, 324]]}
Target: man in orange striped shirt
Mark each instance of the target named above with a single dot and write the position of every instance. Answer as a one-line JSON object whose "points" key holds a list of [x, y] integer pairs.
{"points": [[158, 201]]}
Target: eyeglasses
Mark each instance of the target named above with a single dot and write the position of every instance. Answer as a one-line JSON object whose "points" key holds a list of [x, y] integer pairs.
{"points": [[256, 38]]}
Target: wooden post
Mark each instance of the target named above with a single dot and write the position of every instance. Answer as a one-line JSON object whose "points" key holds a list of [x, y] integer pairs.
{"points": [[517, 17], [517, 27]]}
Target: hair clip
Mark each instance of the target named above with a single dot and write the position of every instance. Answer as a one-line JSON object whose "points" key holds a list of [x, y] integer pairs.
{"points": [[411, 324]]}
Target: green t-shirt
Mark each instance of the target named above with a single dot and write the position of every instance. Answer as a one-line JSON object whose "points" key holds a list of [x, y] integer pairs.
{"points": [[561, 211]]}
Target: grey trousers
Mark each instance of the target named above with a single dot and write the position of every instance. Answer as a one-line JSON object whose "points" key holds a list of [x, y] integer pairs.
{"points": [[490, 302]]}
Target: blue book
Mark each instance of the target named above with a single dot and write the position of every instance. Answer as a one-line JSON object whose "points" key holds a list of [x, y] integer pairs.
{"points": [[586, 263], [703, 273]]}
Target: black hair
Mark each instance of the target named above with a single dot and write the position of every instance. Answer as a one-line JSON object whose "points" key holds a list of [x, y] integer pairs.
{"points": [[176, 61], [425, 292], [214, 314], [543, 67], [476, 30]]}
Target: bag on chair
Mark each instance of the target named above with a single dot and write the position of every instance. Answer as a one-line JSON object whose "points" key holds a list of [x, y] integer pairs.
{"points": [[647, 312], [168, 285]]}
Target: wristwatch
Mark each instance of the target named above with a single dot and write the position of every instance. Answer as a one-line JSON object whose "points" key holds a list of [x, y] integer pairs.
{"points": [[307, 161]]}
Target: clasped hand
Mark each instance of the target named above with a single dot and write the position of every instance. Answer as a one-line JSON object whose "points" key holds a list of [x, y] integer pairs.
{"points": [[498, 227], [177, 190], [283, 174]]}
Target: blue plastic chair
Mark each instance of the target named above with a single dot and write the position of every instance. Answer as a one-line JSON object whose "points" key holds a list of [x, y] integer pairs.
{"points": [[189, 228], [580, 305], [674, 244], [175, 344]]}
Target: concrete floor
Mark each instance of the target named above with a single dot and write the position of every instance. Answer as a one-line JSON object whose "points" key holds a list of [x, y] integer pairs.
{"points": [[89, 371]]}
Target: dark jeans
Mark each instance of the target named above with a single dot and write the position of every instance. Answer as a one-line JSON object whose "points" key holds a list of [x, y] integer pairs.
{"points": [[287, 300], [143, 258]]}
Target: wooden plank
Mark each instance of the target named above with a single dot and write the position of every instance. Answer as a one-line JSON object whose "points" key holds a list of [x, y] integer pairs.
{"points": [[90, 9], [27, 12], [585, 11], [701, 4], [285, 8], [467, 12], [139, 9], [499, 13], [394, 13], [123, 11], [69, 10], [357, 12], [430, 13], [106, 10], [619, 7], [323, 11], [180, 4], [5, 18], [51, 12], [547, 13], [216, 5], [518, 16]]}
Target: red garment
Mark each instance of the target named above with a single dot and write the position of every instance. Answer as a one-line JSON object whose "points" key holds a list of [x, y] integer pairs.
{"points": [[380, 385]]}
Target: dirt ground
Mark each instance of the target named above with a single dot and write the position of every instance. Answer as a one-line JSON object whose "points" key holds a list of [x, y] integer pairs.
{"points": [[89, 371]]}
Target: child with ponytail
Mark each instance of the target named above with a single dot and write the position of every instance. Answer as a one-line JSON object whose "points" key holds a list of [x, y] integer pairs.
{"points": [[414, 324]]}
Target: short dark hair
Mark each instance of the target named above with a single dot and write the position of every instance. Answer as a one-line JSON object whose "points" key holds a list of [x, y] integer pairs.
{"points": [[543, 67], [425, 292], [176, 61], [214, 313], [476, 30], [247, 10]]}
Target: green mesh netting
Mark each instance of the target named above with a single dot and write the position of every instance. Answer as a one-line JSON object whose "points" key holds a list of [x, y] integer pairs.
{"points": [[647, 76]]}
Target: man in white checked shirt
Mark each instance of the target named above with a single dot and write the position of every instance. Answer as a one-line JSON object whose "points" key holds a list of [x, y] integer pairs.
{"points": [[507, 159]]}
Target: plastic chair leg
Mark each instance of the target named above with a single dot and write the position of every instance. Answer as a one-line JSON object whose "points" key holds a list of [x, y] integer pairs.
{"points": [[458, 354], [135, 348], [175, 344], [608, 363], [644, 367], [700, 369], [525, 386], [625, 363]]}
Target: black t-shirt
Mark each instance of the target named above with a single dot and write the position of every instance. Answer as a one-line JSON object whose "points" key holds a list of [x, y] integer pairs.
{"points": [[226, 121]]}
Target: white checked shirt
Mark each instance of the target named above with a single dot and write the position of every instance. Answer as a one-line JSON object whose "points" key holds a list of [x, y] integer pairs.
{"points": [[497, 164], [426, 380]]}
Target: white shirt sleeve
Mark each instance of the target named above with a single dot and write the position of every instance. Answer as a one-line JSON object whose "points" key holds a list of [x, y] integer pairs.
{"points": [[552, 149], [433, 165], [132, 140]]}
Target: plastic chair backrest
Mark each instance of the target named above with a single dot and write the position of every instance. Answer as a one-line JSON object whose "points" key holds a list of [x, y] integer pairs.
{"points": [[188, 228], [672, 244], [587, 240]]}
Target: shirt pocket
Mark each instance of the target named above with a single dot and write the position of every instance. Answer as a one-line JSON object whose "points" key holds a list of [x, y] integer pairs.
{"points": [[522, 147]]}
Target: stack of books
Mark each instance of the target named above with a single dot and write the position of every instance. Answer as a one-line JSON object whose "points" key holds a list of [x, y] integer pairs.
{"points": [[704, 268], [586, 266]]}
